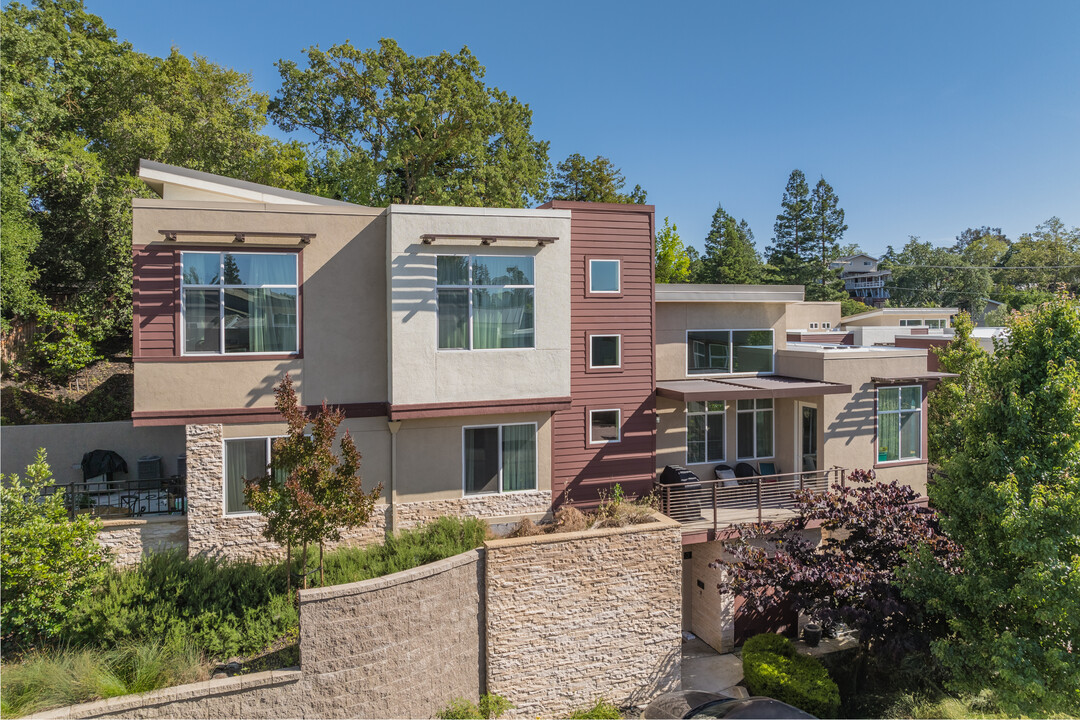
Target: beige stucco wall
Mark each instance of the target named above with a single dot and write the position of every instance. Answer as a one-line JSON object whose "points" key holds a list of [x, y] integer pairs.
{"points": [[894, 318], [850, 421], [575, 617], [800, 315], [343, 307], [66, 443], [421, 373], [674, 319]]}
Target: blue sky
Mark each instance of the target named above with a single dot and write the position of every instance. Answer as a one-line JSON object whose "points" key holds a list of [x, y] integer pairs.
{"points": [[926, 117]]}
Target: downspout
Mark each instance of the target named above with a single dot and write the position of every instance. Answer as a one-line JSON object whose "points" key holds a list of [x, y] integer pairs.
{"points": [[391, 492]]}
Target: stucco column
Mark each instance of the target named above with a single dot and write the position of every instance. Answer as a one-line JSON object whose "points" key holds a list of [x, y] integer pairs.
{"points": [[391, 492]]}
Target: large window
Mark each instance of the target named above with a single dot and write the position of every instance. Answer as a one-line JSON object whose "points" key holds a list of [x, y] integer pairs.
{"points": [[485, 302], [245, 459], [899, 423], [500, 458], [715, 352], [754, 428], [239, 303], [704, 432]]}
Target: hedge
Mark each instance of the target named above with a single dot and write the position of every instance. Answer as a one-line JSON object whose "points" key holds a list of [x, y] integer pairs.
{"points": [[773, 668]]}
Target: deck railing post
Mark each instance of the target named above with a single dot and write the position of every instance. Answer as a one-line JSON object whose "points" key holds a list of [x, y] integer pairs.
{"points": [[714, 508], [759, 501], [843, 478]]}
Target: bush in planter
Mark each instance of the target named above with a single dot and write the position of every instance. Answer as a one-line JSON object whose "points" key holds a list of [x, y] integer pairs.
{"points": [[773, 668]]}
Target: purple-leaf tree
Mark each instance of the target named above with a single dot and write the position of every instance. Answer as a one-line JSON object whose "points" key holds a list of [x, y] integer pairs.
{"points": [[867, 531]]}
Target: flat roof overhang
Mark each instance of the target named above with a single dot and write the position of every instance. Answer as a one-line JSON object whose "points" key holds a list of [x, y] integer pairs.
{"points": [[917, 378], [749, 388]]}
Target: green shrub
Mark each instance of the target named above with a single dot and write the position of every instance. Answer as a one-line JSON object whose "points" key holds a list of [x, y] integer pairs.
{"points": [[67, 344], [223, 607], [48, 564], [491, 706], [442, 538], [773, 668], [57, 678], [601, 710]]}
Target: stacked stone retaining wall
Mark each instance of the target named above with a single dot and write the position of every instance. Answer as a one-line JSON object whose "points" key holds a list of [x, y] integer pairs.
{"points": [[578, 616], [128, 539]]}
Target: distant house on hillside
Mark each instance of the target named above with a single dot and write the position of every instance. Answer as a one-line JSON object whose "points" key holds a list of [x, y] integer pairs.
{"points": [[862, 278]]}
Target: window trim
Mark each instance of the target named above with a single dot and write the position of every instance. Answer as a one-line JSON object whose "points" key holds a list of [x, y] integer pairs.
{"points": [[686, 422], [754, 412], [469, 288], [731, 352], [225, 473], [180, 326], [500, 491], [589, 425], [589, 292], [921, 459], [813, 326], [589, 348]]}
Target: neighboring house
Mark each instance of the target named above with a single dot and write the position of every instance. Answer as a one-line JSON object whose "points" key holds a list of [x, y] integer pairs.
{"points": [[862, 279]]}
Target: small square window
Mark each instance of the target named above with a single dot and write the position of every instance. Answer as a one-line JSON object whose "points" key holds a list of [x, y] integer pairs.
{"points": [[604, 426], [813, 326], [604, 351], [604, 276]]}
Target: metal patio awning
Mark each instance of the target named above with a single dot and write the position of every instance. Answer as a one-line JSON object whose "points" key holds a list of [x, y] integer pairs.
{"points": [[748, 388]]}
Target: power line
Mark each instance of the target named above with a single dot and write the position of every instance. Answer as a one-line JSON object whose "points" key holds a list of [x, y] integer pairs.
{"points": [[988, 267]]}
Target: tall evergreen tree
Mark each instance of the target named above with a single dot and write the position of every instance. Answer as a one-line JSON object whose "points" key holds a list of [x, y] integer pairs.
{"points": [[792, 251], [596, 180], [829, 226], [730, 257]]}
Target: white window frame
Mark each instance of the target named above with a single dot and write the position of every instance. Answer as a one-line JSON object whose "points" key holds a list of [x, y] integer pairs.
{"points": [[900, 426], [907, 322], [938, 324], [731, 353], [618, 276], [225, 471], [813, 326], [500, 491], [618, 426], [723, 433], [753, 411], [222, 287], [826, 326], [618, 363], [469, 292]]}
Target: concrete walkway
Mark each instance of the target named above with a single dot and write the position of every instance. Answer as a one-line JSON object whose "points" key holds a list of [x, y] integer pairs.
{"points": [[706, 670]]}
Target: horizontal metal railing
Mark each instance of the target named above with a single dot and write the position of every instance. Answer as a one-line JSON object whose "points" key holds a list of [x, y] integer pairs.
{"points": [[718, 504], [125, 498]]}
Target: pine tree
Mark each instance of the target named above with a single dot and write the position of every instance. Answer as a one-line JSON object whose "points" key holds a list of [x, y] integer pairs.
{"points": [[828, 225], [792, 251], [730, 257]]}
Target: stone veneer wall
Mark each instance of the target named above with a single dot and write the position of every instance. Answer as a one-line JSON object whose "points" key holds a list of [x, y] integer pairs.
{"points": [[129, 538], [211, 532], [577, 616]]}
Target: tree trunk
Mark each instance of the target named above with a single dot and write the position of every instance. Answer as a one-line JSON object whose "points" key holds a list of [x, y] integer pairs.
{"points": [[321, 583], [303, 561]]}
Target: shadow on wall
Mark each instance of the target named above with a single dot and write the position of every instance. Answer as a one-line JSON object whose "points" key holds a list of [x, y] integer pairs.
{"points": [[856, 420], [629, 462]]}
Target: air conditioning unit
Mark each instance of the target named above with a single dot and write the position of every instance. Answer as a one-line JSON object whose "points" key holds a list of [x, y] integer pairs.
{"points": [[181, 466], [150, 467]]}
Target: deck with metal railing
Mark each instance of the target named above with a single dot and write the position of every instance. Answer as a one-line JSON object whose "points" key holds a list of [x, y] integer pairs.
{"points": [[114, 499], [712, 506]]}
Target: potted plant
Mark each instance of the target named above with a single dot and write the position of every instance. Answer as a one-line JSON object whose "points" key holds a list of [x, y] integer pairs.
{"points": [[812, 634]]}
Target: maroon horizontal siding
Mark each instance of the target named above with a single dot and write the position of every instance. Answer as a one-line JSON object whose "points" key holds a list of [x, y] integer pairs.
{"points": [[932, 362], [155, 302], [580, 471]]}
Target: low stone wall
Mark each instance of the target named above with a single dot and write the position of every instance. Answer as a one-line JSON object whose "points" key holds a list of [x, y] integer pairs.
{"points": [[403, 645], [128, 539], [578, 616], [504, 505]]}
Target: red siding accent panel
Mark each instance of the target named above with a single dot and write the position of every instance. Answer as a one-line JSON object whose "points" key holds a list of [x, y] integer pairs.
{"points": [[155, 302], [580, 471], [932, 363]]}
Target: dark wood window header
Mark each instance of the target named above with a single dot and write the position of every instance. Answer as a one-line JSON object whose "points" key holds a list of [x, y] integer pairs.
{"points": [[237, 235]]}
